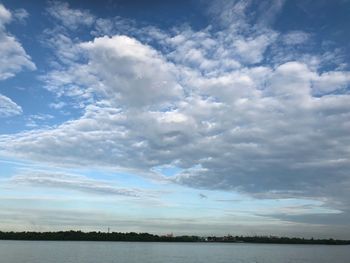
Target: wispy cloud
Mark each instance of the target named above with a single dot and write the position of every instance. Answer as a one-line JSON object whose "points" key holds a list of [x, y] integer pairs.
{"points": [[69, 17], [73, 182], [8, 107]]}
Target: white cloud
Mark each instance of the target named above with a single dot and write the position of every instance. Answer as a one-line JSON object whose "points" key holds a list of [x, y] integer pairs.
{"points": [[229, 13], [5, 16], [21, 15], [57, 105], [13, 57], [138, 75], [269, 10], [65, 49], [291, 80], [239, 14], [69, 17], [38, 119], [251, 50], [8, 108], [209, 50], [331, 81], [120, 69], [295, 38]]}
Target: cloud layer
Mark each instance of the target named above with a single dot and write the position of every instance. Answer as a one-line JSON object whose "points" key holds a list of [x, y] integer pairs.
{"points": [[236, 108]]}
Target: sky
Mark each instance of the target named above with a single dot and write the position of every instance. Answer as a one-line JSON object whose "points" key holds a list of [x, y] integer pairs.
{"points": [[185, 117]]}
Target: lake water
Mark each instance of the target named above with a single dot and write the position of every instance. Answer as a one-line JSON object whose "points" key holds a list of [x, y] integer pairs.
{"points": [[128, 252]]}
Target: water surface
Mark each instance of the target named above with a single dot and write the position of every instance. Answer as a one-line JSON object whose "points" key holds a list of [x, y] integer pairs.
{"points": [[135, 252]]}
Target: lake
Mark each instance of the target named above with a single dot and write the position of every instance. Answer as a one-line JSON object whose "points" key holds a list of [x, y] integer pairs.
{"points": [[135, 252]]}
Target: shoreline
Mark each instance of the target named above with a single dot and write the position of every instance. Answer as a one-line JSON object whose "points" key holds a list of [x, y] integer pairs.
{"points": [[177, 242], [148, 238]]}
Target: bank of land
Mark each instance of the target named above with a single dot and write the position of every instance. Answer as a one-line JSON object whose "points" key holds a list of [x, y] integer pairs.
{"points": [[146, 237]]}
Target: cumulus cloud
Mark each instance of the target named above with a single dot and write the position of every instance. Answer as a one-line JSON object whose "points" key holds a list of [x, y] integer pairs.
{"points": [[210, 50], [135, 69], [132, 69], [13, 57], [332, 81], [8, 108]]}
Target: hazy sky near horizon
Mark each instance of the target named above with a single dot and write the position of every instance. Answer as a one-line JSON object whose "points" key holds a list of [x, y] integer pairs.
{"points": [[191, 117]]}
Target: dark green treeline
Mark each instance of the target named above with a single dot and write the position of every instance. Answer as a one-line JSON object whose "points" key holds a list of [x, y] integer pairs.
{"points": [[146, 237]]}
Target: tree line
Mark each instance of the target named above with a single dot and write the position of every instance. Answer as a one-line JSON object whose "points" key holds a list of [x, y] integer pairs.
{"points": [[146, 237]]}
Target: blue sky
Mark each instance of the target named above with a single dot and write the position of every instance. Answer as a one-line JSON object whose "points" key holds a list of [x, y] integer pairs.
{"points": [[190, 117]]}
